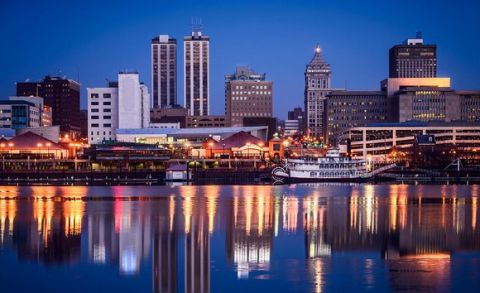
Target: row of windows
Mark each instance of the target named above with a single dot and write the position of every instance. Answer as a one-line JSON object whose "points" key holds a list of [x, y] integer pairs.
{"points": [[105, 96], [257, 87], [252, 93], [251, 114], [104, 103], [96, 110], [97, 125], [97, 117]]}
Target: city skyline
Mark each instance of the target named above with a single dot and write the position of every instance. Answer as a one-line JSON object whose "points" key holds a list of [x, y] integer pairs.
{"points": [[357, 49]]}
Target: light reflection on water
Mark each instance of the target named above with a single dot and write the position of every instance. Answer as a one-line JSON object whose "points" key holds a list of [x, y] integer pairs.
{"points": [[306, 238]]}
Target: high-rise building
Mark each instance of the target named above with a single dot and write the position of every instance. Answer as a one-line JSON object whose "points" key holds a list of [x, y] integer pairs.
{"points": [[317, 87], [347, 109], [123, 104], [247, 94], [413, 58], [197, 73], [102, 113], [133, 101], [62, 95], [295, 114], [164, 71], [295, 122]]}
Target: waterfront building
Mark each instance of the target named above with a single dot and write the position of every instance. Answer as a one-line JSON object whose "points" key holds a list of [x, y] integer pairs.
{"points": [[164, 71], [34, 146], [247, 94], [197, 73], [192, 136], [413, 59], [133, 101], [62, 95], [347, 109], [205, 121], [102, 113], [317, 87], [240, 144], [376, 141]]}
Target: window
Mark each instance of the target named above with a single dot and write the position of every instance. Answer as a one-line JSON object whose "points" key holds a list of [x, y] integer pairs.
{"points": [[94, 125], [107, 117], [107, 103], [95, 117], [107, 96], [94, 96], [107, 125], [107, 110], [94, 103], [94, 110]]}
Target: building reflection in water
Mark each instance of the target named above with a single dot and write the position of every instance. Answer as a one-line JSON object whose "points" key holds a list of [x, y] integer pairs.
{"points": [[414, 235], [249, 230]]}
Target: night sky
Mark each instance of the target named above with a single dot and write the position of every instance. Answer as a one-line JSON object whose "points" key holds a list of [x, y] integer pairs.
{"points": [[96, 39]]}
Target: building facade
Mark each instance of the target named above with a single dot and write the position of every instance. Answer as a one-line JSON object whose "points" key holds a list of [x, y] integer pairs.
{"points": [[413, 59], [247, 94], [196, 73], [133, 101], [164, 71], [102, 114], [62, 95], [377, 141], [19, 114], [436, 104], [45, 111], [205, 121], [317, 87], [347, 109]]}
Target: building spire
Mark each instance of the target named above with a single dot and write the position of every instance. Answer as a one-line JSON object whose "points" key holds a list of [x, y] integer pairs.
{"points": [[317, 57]]}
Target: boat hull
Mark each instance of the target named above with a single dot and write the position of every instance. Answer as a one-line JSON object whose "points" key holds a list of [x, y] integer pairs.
{"points": [[311, 180], [284, 177]]}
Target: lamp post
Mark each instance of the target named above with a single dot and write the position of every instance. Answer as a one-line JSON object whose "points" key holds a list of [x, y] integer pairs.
{"points": [[210, 144], [39, 145], [48, 149], [187, 146]]}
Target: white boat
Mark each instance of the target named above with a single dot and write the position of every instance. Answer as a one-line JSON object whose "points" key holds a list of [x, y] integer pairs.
{"points": [[332, 167]]}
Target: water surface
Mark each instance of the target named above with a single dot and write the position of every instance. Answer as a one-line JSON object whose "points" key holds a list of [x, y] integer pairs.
{"points": [[297, 238]]}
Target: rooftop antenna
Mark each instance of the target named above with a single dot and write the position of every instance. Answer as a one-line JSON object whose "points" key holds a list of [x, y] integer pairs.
{"points": [[419, 35]]}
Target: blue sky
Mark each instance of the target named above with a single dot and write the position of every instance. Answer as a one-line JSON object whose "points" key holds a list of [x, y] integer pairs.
{"points": [[96, 39]]}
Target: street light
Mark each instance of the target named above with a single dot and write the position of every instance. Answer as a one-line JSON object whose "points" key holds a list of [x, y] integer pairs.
{"points": [[48, 149], [210, 144], [39, 145]]}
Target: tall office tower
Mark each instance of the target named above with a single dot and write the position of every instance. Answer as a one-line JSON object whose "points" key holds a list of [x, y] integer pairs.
{"points": [[62, 95], [133, 102], [164, 71], [317, 87], [413, 58], [102, 113], [247, 94], [196, 73]]}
